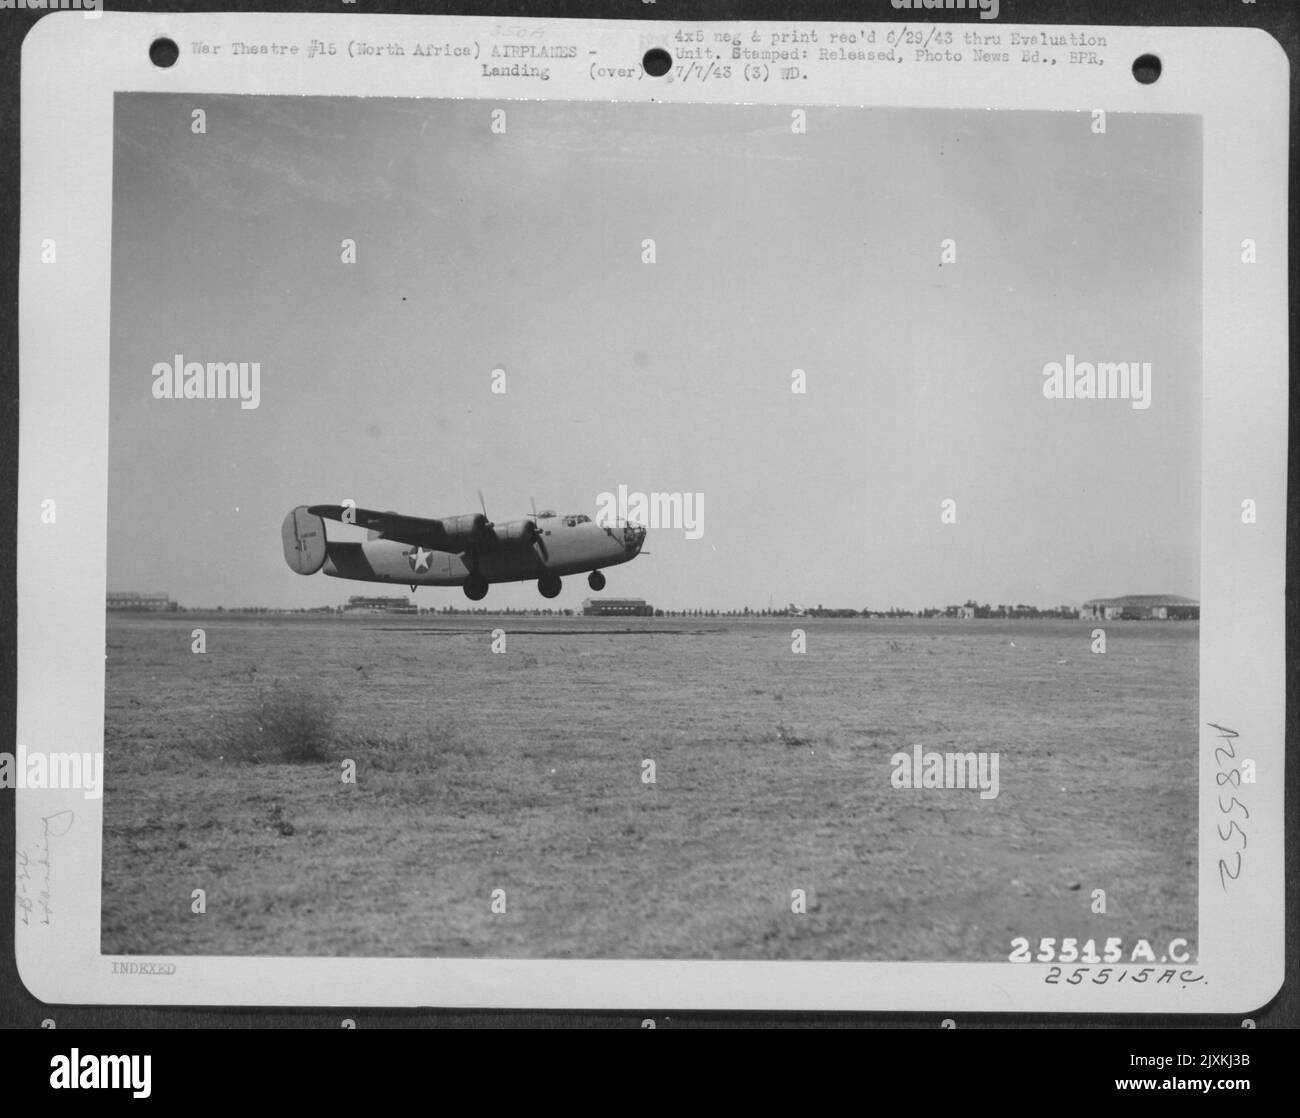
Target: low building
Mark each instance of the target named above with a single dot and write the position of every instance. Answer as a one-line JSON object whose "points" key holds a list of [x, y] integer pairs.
{"points": [[145, 603], [1142, 607], [617, 607], [358, 604]]}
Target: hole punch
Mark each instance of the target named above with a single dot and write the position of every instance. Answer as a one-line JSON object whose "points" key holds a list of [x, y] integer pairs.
{"points": [[657, 62], [1146, 68], [163, 53]]}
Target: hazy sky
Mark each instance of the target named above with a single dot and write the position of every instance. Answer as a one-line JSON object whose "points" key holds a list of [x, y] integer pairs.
{"points": [[775, 251]]}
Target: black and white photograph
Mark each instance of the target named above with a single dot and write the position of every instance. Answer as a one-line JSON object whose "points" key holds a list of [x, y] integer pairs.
{"points": [[651, 517], [651, 531]]}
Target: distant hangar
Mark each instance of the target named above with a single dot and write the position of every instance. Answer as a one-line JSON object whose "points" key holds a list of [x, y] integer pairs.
{"points": [[149, 602], [1143, 607], [617, 607]]}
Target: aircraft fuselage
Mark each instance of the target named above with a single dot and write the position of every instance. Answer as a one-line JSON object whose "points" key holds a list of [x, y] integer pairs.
{"points": [[571, 550], [543, 547]]}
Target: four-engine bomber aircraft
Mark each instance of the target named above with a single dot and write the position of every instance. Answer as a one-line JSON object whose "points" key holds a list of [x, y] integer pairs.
{"points": [[467, 551]]}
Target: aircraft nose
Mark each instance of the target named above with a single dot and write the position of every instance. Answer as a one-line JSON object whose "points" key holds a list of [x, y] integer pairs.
{"points": [[633, 537]]}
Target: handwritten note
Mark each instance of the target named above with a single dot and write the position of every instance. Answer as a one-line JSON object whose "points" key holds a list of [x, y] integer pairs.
{"points": [[1229, 783], [35, 871]]}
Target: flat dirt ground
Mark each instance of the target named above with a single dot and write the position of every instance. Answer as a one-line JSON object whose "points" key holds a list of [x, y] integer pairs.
{"points": [[522, 772]]}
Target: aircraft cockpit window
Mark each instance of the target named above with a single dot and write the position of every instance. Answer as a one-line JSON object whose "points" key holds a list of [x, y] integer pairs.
{"points": [[572, 521]]}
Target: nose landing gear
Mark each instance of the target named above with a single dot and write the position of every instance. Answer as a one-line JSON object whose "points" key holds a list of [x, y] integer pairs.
{"points": [[596, 580]]}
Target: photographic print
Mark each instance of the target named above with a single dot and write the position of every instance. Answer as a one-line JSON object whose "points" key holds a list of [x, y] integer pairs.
{"points": [[904, 411], [718, 515]]}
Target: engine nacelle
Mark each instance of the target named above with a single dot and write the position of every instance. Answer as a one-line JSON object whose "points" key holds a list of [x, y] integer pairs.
{"points": [[517, 533], [469, 530], [303, 537]]}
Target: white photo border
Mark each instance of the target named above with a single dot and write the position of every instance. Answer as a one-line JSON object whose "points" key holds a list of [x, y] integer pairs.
{"points": [[1235, 80]]}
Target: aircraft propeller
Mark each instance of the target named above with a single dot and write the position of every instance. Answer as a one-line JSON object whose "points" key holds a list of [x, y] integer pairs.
{"points": [[485, 523], [535, 535], [532, 530]]}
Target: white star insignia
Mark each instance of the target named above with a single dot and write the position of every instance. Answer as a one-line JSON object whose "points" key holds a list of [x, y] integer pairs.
{"points": [[419, 559]]}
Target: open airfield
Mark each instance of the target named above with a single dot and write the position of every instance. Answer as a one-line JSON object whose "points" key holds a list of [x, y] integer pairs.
{"points": [[523, 771]]}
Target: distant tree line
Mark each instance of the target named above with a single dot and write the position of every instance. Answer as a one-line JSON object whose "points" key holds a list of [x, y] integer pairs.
{"points": [[970, 609]]}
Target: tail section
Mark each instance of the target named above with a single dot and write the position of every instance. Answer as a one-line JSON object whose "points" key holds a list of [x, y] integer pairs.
{"points": [[303, 536]]}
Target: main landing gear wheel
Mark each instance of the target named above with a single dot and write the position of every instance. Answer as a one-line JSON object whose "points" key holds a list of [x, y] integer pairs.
{"points": [[596, 580], [549, 585], [476, 588]]}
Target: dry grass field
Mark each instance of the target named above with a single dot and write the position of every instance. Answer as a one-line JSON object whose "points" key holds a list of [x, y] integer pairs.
{"points": [[522, 771]]}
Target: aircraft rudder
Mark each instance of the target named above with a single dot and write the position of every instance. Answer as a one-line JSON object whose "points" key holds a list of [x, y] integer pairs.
{"points": [[303, 537]]}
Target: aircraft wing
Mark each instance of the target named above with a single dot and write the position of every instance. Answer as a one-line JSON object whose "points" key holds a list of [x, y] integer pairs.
{"points": [[418, 531]]}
